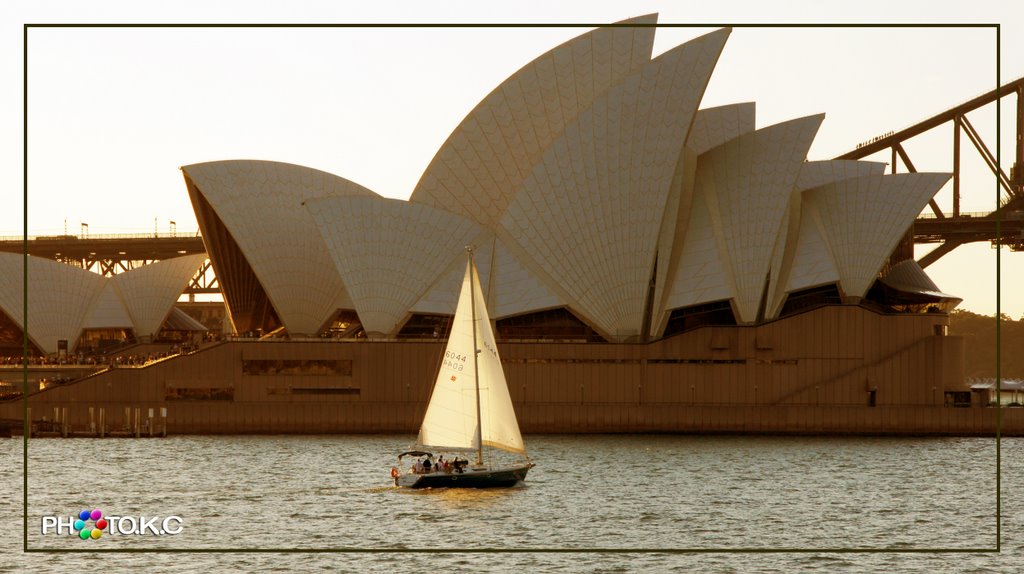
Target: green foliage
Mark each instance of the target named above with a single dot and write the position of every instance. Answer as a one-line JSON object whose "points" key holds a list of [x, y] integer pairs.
{"points": [[979, 333]]}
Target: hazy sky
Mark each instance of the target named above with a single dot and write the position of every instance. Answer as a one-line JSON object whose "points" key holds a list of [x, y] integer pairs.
{"points": [[113, 113]]}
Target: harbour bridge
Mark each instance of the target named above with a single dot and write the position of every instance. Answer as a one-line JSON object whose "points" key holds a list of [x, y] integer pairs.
{"points": [[953, 228], [111, 254]]}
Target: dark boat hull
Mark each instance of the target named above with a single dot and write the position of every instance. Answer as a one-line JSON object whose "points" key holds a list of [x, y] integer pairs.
{"points": [[471, 478]]}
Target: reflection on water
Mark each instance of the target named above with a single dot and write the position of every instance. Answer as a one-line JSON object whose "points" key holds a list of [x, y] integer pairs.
{"points": [[621, 491], [467, 499]]}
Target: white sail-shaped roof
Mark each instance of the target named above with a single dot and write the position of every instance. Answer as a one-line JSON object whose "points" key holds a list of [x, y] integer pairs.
{"points": [[701, 275], [443, 295], [450, 421], [59, 298], [389, 252], [589, 214], [108, 311], [485, 160], [812, 262], [815, 267], [865, 218], [818, 173], [711, 127], [261, 204], [585, 177], [516, 289], [149, 292], [510, 288], [748, 182]]}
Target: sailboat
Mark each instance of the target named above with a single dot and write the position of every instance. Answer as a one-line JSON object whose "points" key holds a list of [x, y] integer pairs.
{"points": [[469, 408]]}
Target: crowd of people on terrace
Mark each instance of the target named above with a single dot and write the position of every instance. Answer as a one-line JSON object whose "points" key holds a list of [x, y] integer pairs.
{"points": [[90, 359]]}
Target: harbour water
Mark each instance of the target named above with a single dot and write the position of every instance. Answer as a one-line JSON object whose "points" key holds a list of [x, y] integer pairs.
{"points": [[642, 492]]}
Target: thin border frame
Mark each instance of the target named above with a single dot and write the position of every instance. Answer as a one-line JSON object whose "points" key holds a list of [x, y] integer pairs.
{"points": [[782, 550]]}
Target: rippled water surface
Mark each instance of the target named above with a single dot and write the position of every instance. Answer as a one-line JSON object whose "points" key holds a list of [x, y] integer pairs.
{"points": [[587, 492]]}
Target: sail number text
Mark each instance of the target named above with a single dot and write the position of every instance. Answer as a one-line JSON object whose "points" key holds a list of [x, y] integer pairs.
{"points": [[454, 360]]}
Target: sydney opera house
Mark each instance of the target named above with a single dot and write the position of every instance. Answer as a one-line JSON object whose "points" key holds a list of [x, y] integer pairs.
{"points": [[649, 264]]}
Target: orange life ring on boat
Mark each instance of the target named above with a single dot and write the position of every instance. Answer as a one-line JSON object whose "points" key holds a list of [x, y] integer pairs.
{"points": [[394, 472]]}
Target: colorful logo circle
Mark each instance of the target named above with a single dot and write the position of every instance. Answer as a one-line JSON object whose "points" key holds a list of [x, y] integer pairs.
{"points": [[85, 532]]}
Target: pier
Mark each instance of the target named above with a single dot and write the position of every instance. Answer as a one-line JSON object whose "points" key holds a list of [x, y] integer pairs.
{"points": [[135, 422]]}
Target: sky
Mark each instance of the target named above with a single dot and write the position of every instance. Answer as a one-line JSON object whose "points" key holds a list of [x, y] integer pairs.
{"points": [[113, 113]]}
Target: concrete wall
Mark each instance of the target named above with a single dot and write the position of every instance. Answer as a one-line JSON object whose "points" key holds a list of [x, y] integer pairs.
{"points": [[809, 373]]}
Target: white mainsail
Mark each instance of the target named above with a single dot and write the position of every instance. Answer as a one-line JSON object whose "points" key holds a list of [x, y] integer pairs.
{"points": [[451, 418]]}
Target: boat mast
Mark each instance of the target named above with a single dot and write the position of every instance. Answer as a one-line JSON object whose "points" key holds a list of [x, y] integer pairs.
{"points": [[476, 366]]}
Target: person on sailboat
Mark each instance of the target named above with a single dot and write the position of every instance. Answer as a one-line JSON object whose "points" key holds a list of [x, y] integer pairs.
{"points": [[460, 465]]}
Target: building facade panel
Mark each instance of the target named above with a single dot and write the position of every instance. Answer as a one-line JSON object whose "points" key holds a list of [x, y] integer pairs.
{"points": [[660, 386]]}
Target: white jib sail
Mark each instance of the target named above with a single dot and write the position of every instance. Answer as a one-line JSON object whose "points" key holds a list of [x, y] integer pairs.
{"points": [[500, 428], [450, 420]]}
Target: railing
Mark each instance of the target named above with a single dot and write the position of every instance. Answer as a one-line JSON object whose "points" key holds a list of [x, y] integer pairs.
{"points": [[68, 237], [977, 101], [1006, 216], [963, 215]]}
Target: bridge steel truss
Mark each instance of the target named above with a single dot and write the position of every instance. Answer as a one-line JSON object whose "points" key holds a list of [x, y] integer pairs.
{"points": [[1005, 224], [109, 255]]}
